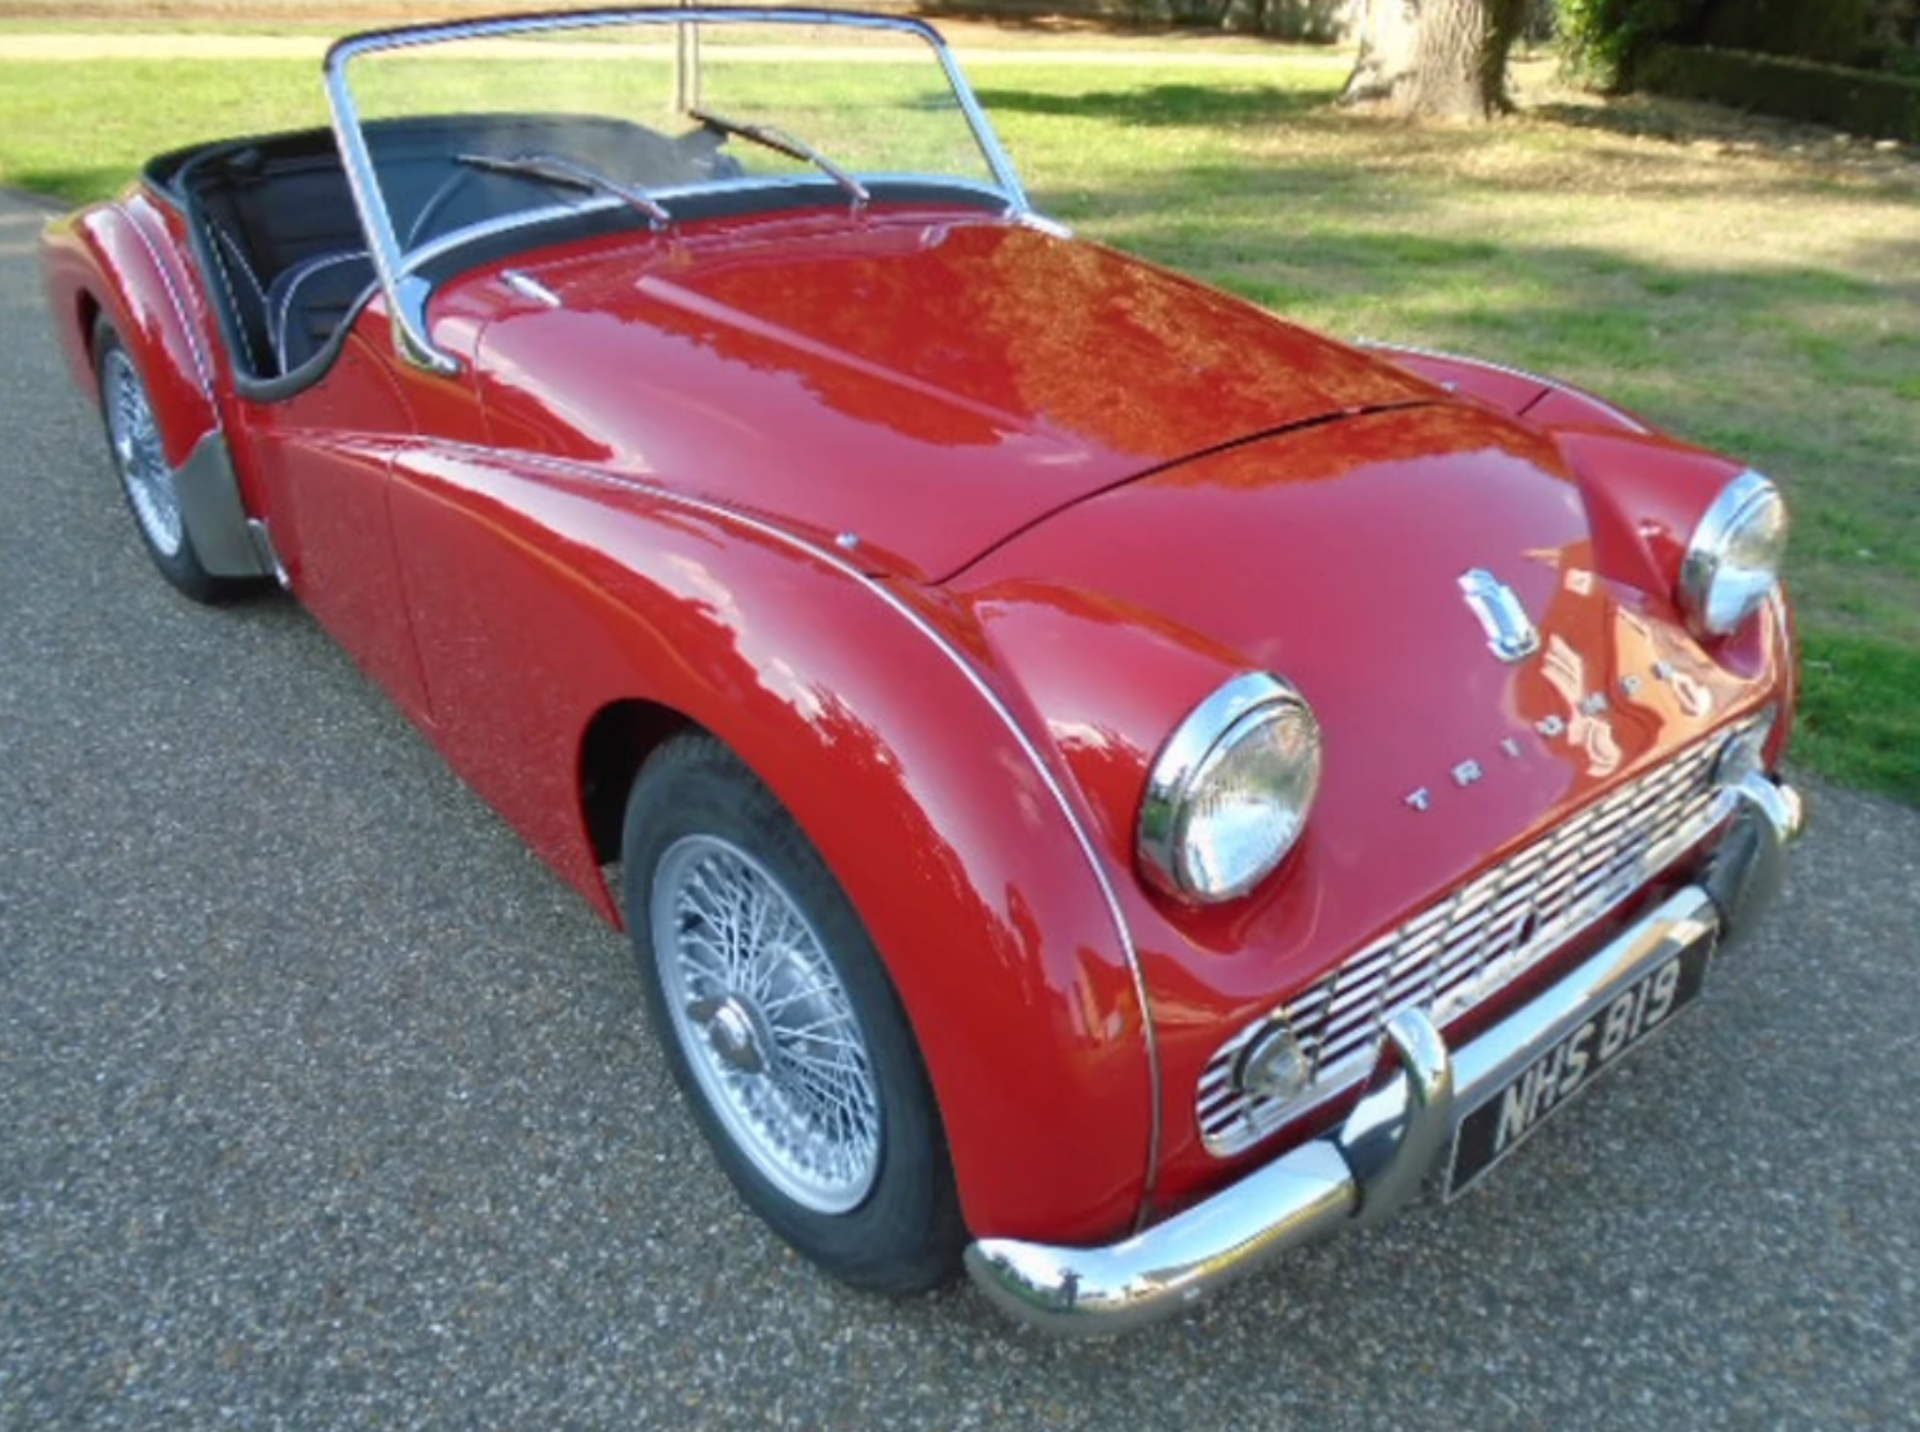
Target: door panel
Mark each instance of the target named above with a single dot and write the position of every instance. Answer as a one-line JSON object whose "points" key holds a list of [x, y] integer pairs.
{"points": [[323, 456]]}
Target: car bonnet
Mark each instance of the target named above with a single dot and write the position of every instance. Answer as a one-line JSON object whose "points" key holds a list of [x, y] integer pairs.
{"points": [[1354, 559], [926, 380]]}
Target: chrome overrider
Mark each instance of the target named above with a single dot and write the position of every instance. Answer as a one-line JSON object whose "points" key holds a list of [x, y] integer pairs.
{"points": [[1397, 1136]]}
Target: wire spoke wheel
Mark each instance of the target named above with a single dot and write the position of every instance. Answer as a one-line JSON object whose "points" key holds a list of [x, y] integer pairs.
{"points": [[781, 1024], [766, 1023], [143, 468]]}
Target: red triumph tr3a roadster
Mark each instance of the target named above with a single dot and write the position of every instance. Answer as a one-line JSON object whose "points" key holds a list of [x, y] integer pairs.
{"points": [[1105, 785]]}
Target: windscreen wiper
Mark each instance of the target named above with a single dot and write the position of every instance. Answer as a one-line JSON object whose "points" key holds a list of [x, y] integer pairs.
{"points": [[552, 169], [771, 137]]}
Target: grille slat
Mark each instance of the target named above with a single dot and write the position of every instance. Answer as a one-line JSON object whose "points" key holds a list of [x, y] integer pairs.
{"points": [[1467, 946]]}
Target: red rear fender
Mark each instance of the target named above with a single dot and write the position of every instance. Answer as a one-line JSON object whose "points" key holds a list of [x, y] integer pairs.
{"points": [[121, 260]]}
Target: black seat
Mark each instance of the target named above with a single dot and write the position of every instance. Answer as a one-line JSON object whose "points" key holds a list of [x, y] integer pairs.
{"points": [[307, 303], [246, 299]]}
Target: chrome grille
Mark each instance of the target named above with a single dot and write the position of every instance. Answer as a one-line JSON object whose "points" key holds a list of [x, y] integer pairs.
{"points": [[1474, 942]]}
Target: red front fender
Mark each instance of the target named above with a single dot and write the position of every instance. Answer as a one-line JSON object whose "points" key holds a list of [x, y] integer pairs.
{"points": [[956, 841]]}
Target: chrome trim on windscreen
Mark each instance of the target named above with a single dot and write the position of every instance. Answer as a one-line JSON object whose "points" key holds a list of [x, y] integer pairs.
{"points": [[420, 258], [407, 293]]}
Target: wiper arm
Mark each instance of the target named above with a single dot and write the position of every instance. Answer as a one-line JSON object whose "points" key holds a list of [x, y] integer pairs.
{"points": [[771, 137], [552, 169]]}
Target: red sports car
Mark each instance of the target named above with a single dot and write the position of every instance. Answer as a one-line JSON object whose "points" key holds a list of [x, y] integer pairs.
{"points": [[1102, 784]]}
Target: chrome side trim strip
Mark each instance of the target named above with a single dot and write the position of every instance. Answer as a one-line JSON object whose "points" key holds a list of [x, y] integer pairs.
{"points": [[202, 366], [1122, 931], [1089, 852]]}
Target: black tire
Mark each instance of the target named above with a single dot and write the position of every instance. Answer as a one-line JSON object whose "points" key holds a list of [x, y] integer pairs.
{"points": [[149, 485], [696, 813]]}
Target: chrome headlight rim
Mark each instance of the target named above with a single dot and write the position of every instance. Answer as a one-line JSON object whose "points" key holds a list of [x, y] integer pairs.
{"points": [[1746, 501], [1234, 711]]}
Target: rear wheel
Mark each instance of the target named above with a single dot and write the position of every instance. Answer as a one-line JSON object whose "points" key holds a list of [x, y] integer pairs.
{"points": [[780, 1024], [150, 483]]}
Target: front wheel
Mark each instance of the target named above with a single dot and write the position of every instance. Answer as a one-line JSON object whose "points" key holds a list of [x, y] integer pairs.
{"points": [[780, 1024], [150, 483]]}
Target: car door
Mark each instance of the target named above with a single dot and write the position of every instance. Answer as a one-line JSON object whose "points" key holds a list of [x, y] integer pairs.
{"points": [[323, 456]]}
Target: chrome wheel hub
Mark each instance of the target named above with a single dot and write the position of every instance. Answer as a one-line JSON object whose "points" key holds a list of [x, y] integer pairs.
{"points": [[765, 1023], [135, 438], [730, 1030]]}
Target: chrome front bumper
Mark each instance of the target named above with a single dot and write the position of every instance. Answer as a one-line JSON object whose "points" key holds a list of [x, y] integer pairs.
{"points": [[1396, 1137]]}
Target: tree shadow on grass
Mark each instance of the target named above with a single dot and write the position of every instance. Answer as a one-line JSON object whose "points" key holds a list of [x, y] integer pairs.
{"points": [[1669, 163], [1160, 105], [1637, 116]]}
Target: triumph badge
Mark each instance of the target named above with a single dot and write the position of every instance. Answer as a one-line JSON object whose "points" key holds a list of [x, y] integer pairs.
{"points": [[1511, 635]]}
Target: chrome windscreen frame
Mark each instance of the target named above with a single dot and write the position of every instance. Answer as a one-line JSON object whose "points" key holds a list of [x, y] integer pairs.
{"points": [[407, 290], [424, 255]]}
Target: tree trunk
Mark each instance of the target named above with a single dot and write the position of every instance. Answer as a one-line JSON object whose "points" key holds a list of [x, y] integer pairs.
{"points": [[1442, 59]]}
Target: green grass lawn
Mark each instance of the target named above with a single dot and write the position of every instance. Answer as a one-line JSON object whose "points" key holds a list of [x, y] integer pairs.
{"points": [[1755, 291]]}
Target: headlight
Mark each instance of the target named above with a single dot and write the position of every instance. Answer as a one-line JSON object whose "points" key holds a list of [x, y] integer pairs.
{"points": [[1733, 558], [1229, 793]]}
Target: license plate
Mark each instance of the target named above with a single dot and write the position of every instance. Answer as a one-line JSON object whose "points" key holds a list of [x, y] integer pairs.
{"points": [[1495, 1128]]}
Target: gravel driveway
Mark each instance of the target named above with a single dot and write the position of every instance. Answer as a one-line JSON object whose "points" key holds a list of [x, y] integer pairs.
{"points": [[327, 1106]]}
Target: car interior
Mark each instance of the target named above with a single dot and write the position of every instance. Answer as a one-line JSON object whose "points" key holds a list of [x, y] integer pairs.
{"points": [[277, 230]]}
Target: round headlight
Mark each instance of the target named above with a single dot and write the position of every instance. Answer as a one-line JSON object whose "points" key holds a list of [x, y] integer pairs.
{"points": [[1229, 793], [1733, 559]]}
